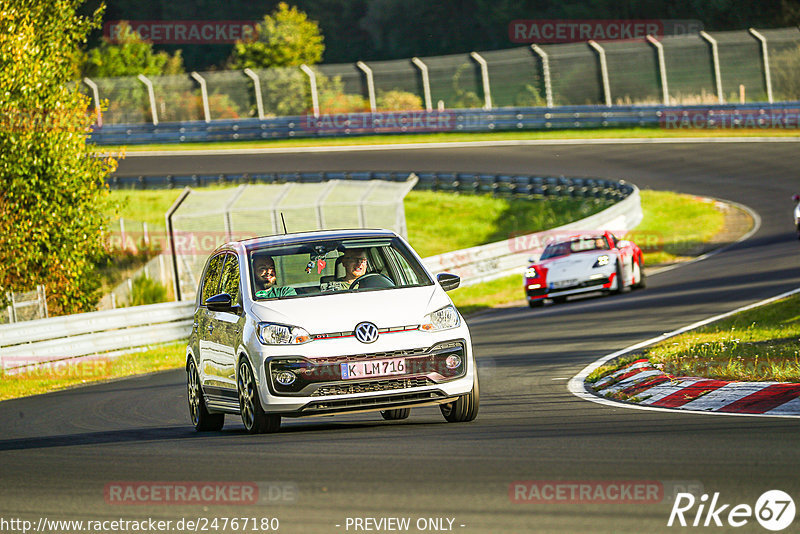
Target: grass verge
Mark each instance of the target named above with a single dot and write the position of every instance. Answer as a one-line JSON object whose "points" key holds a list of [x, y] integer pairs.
{"points": [[757, 345], [43, 378], [761, 344], [454, 137]]}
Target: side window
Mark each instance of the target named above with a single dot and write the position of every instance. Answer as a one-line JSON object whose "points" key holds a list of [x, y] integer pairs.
{"points": [[230, 278], [211, 280]]}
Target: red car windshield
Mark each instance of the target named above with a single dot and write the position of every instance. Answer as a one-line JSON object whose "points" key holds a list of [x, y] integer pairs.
{"points": [[581, 244]]}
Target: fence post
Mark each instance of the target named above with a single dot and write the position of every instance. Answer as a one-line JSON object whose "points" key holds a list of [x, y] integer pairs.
{"points": [[487, 91], [257, 89], [151, 95], [548, 88], [662, 67], [96, 98], [312, 79], [370, 85], [170, 232], [203, 94], [12, 311], [765, 58], [426, 82], [715, 59], [601, 55]]}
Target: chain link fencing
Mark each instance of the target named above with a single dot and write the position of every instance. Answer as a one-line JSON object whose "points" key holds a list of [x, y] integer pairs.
{"points": [[514, 77]]}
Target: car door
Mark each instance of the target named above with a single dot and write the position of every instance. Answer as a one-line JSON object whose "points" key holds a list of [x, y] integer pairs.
{"points": [[226, 326], [209, 364]]}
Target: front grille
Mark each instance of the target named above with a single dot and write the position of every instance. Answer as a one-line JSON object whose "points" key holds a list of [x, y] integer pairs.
{"points": [[369, 387], [370, 356]]}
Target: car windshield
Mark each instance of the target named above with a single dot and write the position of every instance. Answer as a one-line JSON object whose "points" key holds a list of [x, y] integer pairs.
{"points": [[579, 244], [331, 266]]}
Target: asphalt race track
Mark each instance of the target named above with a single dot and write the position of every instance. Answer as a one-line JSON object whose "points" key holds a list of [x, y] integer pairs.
{"points": [[59, 452]]}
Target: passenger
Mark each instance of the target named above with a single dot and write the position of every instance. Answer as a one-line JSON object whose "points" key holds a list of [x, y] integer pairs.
{"points": [[265, 279], [354, 261]]}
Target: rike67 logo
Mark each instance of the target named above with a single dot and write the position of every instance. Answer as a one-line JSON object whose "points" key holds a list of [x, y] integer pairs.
{"points": [[774, 510]]}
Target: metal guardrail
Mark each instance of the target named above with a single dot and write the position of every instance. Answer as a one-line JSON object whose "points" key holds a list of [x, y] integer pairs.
{"points": [[757, 115], [74, 336]]}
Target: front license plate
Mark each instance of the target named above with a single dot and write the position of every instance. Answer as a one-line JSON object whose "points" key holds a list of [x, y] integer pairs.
{"points": [[395, 366], [563, 283]]}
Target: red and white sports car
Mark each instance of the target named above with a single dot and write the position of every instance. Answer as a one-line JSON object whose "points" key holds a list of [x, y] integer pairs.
{"points": [[582, 264]]}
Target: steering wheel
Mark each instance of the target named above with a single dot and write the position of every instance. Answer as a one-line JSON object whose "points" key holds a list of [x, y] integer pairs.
{"points": [[371, 280]]}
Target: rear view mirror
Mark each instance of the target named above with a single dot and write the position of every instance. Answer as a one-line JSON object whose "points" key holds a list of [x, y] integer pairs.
{"points": [[221, 302], [448, 281]]}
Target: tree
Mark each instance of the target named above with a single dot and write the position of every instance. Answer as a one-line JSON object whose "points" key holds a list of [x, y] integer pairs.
{"points": [[53, 188], [129, 55], [286, 38]]}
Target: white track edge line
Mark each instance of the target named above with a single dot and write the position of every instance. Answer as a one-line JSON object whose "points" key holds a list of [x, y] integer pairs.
{"points": [[756, 227], [577, 386]]}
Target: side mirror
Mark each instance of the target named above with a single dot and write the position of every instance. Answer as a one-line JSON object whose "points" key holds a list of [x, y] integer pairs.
{"points": [[221, 302], [448, 281]]}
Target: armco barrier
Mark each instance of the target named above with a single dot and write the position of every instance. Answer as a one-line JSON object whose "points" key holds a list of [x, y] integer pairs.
{"points": [[73, 336], [758, 115]]}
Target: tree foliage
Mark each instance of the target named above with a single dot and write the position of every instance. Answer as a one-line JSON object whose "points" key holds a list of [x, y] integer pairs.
{"points": [[128, 55], [53, 189], [285, 38]]}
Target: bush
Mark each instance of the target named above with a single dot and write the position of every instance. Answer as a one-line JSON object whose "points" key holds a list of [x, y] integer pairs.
{"points": [[145, 290], [53, 193], [285, 38], [398, 101]]}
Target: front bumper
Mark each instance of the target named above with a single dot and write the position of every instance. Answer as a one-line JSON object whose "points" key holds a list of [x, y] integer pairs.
{"points": [[585, 286], [321, 389]]}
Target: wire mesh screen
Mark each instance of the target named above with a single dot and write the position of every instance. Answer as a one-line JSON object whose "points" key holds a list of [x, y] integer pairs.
{"points": [[784, 62], [127, 100], [740, 64], [398, 85], [633, 74], [231, 94], [690, 70], [516, 77], [574, 74], [209, 218], [342, 89], [178, 98], [455, 80], [284, 91]]}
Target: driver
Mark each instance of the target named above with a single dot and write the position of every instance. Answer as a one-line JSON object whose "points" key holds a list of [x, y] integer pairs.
{"points": [[266, 280], [354, 261]]}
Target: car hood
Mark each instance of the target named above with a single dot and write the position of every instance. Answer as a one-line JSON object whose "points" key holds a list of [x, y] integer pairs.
{"points": [[574, 264], [341, 312]]}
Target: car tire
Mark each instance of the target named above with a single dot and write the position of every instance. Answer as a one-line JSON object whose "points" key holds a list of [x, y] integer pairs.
{"points": [[202, 420], [620, 283], [463, 409], [559, 300], [538, 303], [396, 415], [255, 420], [642, 283]]}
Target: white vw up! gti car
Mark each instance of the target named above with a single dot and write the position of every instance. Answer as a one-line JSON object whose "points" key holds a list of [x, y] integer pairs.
{"points": [[323, 323]]}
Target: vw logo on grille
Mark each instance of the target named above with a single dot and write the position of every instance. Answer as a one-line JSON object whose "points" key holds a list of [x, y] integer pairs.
{"points": [[366, 332]]}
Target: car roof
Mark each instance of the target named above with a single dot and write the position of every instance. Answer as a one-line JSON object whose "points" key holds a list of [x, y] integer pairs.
{"points": [[304, 237]]}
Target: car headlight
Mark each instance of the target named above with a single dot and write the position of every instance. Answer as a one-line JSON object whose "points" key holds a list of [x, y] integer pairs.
{"points": [[602, 261], [441, 319], [281, 334]]}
